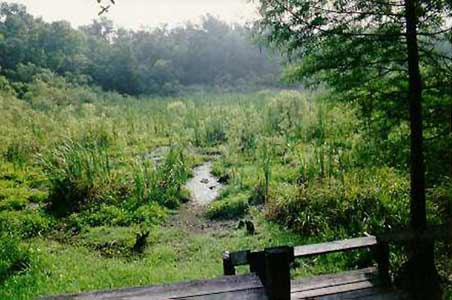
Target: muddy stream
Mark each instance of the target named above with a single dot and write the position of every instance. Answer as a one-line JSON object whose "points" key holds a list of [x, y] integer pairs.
{"points": [[204, 187]]}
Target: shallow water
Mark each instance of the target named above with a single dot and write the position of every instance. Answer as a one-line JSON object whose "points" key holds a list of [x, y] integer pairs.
{"points": [[204, 187]]}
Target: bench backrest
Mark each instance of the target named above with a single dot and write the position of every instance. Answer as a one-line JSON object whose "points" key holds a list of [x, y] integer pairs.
{"points": [[241, 258], [378, 244]]}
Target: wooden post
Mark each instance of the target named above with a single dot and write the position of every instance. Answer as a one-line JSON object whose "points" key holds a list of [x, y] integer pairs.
{"points": [[277, 270], [228, 267], [257, 265], [382, 257]]}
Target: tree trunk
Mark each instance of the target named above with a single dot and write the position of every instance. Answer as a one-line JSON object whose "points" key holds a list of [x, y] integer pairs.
{"points": [[422, 278], [418, 211], [450, 146]]}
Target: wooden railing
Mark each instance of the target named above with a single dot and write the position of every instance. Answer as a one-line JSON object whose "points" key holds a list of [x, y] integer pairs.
{"points": [[272, 264]]}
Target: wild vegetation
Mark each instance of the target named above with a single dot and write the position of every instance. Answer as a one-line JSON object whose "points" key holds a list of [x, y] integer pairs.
{"points": [[89, 200], [77, 181]]}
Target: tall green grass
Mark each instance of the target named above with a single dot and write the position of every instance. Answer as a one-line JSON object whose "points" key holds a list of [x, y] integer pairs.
{"points": [[74, 161], [78, 174]]}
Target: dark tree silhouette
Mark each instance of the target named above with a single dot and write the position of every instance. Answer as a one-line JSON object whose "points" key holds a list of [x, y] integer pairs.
{"points": [[363, 41]]}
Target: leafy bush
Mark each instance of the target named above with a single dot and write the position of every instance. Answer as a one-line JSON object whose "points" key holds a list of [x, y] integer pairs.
{"points": [[231, 207], [148, 214], [109, 215], [364, 201], [24, 223], [100, 215], [17, 196], [14, 258], [441, 198], [13, 204], [110, 241]]}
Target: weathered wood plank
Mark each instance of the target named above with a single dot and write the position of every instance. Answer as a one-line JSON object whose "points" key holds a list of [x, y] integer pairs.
{"points": [[329, 280], [251, 294], [171, 291], [351, 295], [363, 294], [240, 258], [359, 284], [381, 295], [335, 246], [332, 290]]}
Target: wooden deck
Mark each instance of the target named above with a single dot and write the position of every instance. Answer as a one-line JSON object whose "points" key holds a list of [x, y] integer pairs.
{"points": [[360, 285], [228, 288]]}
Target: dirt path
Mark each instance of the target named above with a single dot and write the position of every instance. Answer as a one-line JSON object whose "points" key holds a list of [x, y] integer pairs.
{"points": [[191, 218]]}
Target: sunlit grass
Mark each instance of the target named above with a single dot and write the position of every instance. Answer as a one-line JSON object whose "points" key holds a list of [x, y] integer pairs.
{"points": [[306, 159]]}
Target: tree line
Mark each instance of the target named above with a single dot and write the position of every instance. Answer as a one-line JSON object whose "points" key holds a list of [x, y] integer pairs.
{"points": [[161, 60]]}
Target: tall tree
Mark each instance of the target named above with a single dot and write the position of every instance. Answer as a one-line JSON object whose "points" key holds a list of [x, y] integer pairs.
{"points": [[353, 43]]}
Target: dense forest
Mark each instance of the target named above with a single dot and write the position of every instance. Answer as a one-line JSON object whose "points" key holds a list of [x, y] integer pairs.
{"points": [[106, 134], [156, 61]]}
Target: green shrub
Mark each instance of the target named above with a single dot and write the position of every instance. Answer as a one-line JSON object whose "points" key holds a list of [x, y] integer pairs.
{"points": [[363, 201], [24, 223], [110, 241], [109, 215], [103, 214], [440, 198], [231, 207], [148, 214], [14, 258], [38, 196], [13, 204], [17, 195]]}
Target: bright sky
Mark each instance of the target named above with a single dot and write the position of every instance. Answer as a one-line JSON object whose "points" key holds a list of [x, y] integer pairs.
{"points": [[138, 13]]}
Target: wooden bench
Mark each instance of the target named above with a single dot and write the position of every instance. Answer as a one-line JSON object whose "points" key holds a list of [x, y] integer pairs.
{"points": [[368, 283], [247, 287]]}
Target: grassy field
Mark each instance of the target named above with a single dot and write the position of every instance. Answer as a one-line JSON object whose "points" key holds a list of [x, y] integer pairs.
{"points": [[77, 184]]}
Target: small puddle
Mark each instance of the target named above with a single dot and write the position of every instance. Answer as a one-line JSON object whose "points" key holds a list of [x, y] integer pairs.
{"points": [[204, 187]]}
